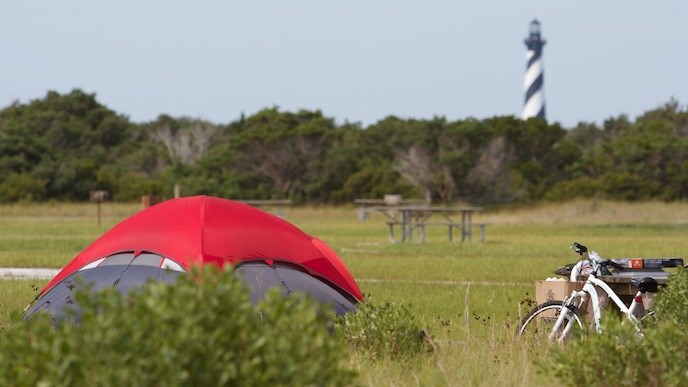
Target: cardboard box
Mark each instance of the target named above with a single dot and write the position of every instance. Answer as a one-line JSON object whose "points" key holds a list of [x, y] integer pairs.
{"points": [[554, 290], [558, 290]]}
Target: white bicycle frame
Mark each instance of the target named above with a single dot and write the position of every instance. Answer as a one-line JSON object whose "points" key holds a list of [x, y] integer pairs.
{"points": [[579, 298]]}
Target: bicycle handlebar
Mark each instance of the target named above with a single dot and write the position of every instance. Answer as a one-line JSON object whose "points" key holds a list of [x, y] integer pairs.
{"points": [[578, 248], [615, 265], [596, 262]]}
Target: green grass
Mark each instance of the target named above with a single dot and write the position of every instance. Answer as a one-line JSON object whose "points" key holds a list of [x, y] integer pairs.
{"points": [[469, 295], [50, 235], [15, 295]]}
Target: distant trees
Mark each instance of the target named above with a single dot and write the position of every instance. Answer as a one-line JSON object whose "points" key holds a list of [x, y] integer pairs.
{"points": [[185, 145], [646, 159], [284, 148], [55, 147], [62, 146]]}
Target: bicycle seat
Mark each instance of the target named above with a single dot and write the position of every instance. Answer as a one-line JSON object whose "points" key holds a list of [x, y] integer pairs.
{"points": [[645, 284]]}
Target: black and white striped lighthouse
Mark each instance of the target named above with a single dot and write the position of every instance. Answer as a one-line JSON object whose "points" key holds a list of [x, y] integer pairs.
{"points": [[534, 79]]}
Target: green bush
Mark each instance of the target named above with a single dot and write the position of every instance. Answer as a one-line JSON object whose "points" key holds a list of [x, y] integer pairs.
{"points": [[583, 187], [620, 356], [670, 305], [22, 187], [384, 330], [201, 331], [131, 186], [629, 186]]}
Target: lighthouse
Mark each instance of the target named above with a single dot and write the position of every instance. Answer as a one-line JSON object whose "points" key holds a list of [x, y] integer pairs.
{"points": [[534, 105]]}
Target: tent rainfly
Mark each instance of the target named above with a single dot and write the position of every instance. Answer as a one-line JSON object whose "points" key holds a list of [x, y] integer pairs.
{"points": [[166, 240]]}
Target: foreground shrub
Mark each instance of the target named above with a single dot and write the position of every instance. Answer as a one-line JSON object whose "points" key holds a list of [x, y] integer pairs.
{"points": [[200, 331], [384, 330], [671, 304], [622, 357]]}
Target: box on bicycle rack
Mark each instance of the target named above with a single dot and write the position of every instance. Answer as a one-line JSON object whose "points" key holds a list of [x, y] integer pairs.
{"points": [[557, 289], [554, 289]]}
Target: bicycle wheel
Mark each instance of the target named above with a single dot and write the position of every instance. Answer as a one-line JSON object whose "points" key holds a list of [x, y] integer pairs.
{"points": [[540, 321]]}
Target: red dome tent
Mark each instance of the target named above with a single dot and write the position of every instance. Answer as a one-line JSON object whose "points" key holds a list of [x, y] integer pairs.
{"points": [[165, 240]]}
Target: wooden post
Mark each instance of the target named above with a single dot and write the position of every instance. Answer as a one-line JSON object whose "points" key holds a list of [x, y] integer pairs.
{"points": [[98, 197]]}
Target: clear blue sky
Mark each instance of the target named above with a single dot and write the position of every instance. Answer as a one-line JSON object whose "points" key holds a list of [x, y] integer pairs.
{"points": [[356, 60]]}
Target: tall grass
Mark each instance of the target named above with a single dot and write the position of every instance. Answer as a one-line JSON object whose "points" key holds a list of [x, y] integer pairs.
{"points": [[469, 295]]}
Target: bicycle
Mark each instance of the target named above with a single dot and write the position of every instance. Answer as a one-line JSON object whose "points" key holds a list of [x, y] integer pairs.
{"points": [[558, 319]]}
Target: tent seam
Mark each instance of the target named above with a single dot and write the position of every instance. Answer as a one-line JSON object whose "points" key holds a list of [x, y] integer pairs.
{"points": [[202, 226]]}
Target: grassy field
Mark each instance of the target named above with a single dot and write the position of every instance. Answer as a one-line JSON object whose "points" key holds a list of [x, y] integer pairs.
{"points": [[469, 295]]}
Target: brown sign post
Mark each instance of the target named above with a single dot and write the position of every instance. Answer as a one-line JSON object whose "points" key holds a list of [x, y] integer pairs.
{"points": [[98, 197]]}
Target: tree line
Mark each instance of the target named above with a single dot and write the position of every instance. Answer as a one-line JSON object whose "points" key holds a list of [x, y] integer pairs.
{"points": [[63, 146]]}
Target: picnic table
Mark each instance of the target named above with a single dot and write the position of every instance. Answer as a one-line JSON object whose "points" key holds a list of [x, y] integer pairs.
{"points": [[416, 218]]}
